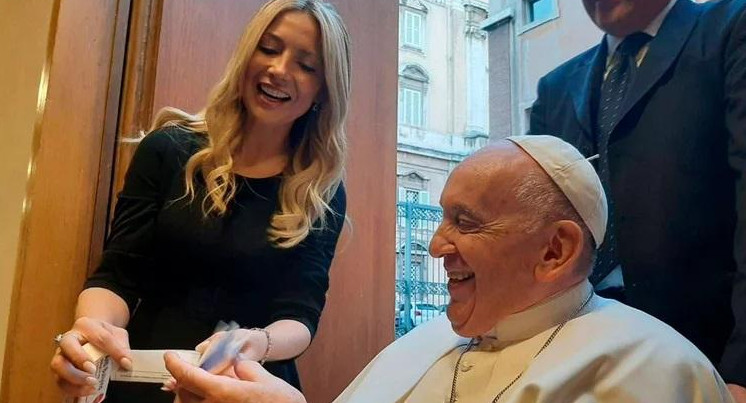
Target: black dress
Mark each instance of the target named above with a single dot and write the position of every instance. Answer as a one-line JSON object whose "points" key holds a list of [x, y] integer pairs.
{"points": [[181, 273]]}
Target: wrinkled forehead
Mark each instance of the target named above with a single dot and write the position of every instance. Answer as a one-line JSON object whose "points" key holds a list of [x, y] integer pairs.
{"points": [[486, 181]]}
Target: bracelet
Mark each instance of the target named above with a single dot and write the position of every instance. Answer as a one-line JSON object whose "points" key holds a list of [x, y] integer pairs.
{"points": [[269, 343]]}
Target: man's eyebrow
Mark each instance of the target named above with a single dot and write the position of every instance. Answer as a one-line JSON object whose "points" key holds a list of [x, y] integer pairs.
{"points": [[461, 209]]}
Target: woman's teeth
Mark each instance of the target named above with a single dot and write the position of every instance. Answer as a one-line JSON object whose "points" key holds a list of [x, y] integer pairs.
{"points": [[273, 93]]}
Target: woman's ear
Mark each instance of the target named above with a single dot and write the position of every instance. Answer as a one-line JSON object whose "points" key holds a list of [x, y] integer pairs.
{"points": [[561, 254], [322, 96]]}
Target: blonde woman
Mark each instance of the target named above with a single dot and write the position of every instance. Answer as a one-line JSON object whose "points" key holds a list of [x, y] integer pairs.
{"points": [[232, 214]]}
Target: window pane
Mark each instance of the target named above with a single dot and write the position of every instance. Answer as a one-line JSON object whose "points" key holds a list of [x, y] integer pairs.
{"points": [[417, 30], [417, 106], [411, 29], [540, 10], [413, 196], [411, 107]]}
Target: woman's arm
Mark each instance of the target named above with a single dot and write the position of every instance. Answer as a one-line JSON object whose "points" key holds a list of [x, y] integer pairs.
{"points": [[111, 293], [104, 305]]}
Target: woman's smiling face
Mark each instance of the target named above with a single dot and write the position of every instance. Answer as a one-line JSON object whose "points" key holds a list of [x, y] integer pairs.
{"points": [[285, 73]]}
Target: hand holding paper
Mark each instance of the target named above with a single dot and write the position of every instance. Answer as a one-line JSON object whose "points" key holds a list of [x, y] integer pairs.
{"points": [[74, 367], [252, 383]]}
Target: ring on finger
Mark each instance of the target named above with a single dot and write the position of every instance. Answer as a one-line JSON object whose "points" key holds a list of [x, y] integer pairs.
{"points": [[58, 338]]}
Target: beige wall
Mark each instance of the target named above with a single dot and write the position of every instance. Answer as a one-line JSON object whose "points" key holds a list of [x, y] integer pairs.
{"points": [[540, 49], [535, 50], [24, 32]]}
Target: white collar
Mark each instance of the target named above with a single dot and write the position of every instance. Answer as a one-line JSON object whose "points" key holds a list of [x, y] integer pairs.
{"points": [[538, 318], [652, 29]]}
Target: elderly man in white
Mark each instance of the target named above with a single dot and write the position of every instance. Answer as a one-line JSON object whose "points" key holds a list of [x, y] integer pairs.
{"points": [[521, 221]]}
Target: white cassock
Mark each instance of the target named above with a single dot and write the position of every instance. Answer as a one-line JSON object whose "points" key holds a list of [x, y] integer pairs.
{"points": [[608, 353]]}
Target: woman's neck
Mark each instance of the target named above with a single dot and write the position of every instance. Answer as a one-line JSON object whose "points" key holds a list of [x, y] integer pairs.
{"points": [[263, 151]]}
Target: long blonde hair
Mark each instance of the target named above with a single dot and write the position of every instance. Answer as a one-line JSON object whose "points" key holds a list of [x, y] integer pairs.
{"points": [[318, 138]]}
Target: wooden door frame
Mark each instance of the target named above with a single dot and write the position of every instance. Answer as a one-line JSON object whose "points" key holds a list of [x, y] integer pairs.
{"points": [[70, 176]]}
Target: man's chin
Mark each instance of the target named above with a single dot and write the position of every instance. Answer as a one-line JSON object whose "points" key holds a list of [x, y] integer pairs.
{"points": [[464, 330], [461, 323]]}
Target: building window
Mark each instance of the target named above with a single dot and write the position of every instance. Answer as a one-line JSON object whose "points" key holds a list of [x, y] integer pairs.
{"points": [[539, 10], [411, 30], [411, 107], [408, 195]]}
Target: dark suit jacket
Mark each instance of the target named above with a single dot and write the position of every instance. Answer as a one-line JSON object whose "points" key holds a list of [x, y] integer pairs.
{"points": [[677, 159]]}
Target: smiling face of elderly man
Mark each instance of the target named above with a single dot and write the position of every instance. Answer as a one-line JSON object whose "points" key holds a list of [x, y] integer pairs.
{"points": [[509, 238]]}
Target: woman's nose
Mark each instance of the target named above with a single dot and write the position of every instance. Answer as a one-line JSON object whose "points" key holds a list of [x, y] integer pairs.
{"points": [[280, 66]]}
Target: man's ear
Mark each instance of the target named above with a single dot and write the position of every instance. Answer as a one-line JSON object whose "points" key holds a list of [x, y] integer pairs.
{"points": [[561, 254]]}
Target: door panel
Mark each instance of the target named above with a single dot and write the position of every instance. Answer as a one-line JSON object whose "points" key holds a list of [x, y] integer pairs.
{"points": [[70, 149]]}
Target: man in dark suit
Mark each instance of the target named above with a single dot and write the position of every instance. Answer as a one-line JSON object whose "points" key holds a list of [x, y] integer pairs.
{"points": [[662, 101]]}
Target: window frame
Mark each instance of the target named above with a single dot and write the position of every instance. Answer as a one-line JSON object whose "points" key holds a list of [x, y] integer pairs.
{"points": [[527, 24], [416, 38], [403, 103], [423, 195]]}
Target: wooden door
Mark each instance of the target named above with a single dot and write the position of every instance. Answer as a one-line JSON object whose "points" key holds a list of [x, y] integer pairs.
{"points": [[77, 109]]}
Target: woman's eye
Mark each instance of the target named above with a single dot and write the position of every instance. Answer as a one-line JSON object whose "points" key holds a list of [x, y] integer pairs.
{"points": [[307, 68], [267, 50]]}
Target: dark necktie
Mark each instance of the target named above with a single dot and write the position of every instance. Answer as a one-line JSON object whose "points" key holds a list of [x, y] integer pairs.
{"points": [[619, 77]]}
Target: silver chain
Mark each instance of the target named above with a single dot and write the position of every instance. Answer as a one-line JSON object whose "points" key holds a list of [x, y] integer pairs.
{"points": [[546, 344]]}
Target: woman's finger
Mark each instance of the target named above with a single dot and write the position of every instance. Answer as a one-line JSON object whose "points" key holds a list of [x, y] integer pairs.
{"points": [[110, 339], [215, 337], [71, 349], [68, 374], [69, 389]]}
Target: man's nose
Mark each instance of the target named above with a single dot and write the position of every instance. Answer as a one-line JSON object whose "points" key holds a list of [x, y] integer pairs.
{"points": [[440, 245]]}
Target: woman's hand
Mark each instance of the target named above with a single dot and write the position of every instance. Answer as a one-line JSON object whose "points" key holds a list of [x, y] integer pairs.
{"points": [[251, 343], [73, 368], [252, 383]]}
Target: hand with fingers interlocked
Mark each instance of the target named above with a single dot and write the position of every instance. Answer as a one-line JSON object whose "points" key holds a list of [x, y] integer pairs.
{"points": [[72, 366]]}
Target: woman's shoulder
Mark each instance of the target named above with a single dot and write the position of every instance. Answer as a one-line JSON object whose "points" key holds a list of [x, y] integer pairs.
{"points": [[338, 201], [177, 137], [174, 139], [338, 206]]}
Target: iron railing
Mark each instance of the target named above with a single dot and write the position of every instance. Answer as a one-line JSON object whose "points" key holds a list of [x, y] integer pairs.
{"points": [[421, 283]]}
